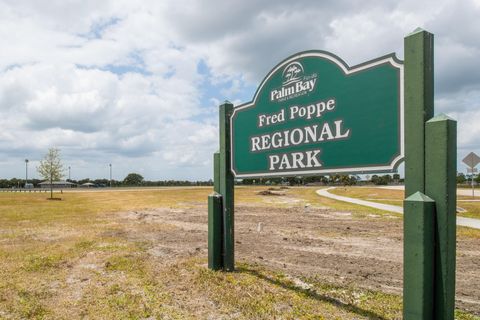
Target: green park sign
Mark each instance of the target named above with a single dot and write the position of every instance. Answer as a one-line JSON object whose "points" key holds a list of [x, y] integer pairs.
{"points": [[313, 114]]}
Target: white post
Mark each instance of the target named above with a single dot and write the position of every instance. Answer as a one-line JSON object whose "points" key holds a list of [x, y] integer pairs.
{"points": [[473, 188], [110, 175], [26, 172]]}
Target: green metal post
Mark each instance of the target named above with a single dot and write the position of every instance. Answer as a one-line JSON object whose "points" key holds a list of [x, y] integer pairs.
{"points": [[215, 220], [418, 257], [216, 172], [418, 82], [441, 160], [226, 186], [215, 235]]}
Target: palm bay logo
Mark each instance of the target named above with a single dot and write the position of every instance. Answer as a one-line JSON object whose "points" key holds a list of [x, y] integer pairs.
{"points": [[292, 73], [295, 83]]}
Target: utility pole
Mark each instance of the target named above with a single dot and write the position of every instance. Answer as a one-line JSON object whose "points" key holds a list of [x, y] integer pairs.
{"points": [[69, 177], [26, 172], [110, 175]]}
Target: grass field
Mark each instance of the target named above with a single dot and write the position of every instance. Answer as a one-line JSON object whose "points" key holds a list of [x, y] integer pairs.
{"points": [[74, 259]]}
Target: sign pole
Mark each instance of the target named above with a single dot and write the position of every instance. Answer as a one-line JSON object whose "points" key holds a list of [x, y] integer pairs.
{"points": [[471, 160], [418, 255], [215, 220], [215, 235], [419, 240], [473, 187], [418, 66], [441, 160], [216, 172], [226, 186], [430, 168]]}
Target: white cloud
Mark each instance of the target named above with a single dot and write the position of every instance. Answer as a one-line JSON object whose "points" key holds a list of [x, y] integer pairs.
{"points": [[118, 81]]}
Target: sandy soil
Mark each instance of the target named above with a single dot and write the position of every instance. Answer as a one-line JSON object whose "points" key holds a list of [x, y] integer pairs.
{"points": [[308, 242]]}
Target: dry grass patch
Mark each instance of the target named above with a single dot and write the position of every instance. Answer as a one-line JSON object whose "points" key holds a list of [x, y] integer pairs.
{"points": [[370, 194], [309, 195], [89, 256], [465, 232]]}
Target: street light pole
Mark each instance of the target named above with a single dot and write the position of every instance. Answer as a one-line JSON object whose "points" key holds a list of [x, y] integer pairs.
{"points": [[110, 175], [26, 172]]}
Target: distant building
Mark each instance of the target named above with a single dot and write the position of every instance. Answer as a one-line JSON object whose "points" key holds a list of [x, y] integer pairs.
{"points": [[56, 184], [88, 185]]}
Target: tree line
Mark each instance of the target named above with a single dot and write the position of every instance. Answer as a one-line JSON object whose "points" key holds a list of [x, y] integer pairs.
{"points": [[346, 180], [336, 179], [463, 179], [135, 179], [20, 183], [52, 169]]}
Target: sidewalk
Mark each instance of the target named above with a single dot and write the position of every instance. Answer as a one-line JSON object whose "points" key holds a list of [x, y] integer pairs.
{"points": [[461, 221]]}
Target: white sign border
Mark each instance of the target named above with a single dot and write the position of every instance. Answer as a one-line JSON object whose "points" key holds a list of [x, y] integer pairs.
{"points": [[391, 58]]}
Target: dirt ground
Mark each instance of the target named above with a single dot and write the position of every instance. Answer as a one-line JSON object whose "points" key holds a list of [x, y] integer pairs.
{"points": [[310, 242], [104, 255]]}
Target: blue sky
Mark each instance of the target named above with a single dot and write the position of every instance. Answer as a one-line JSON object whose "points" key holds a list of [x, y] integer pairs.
{"points": [[138, 84]]}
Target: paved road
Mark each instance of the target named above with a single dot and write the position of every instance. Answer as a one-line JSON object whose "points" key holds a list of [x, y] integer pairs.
{"points": [[461, 221]]}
